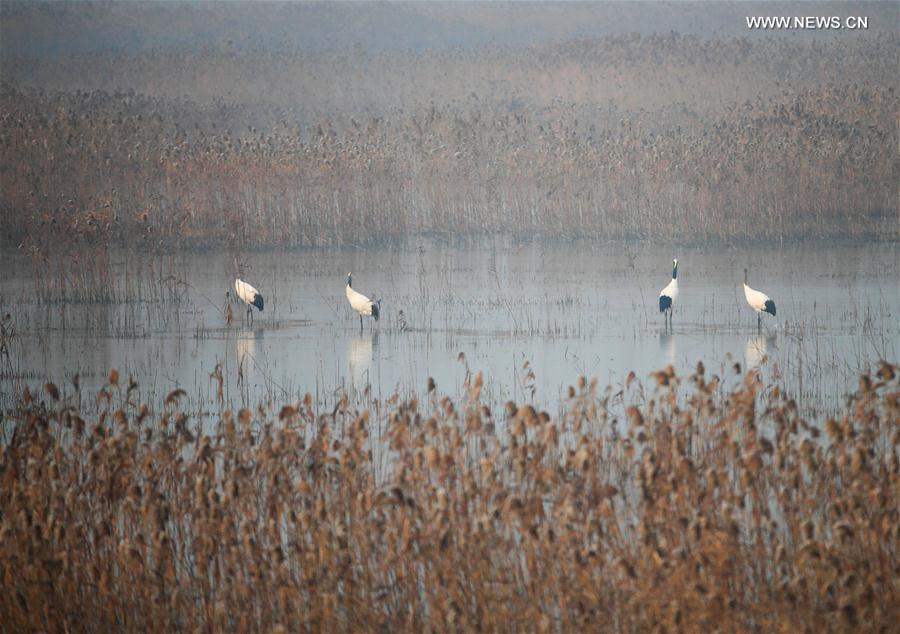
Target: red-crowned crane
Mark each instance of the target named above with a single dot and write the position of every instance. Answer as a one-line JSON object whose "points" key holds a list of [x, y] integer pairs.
{"points": [[361, 304], [759, 302], [669, 294], [249, 296]]}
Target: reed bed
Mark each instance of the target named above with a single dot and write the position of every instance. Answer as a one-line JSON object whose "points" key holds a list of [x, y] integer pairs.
{"points": [[82, 274], [738, 141], [720, 511]]}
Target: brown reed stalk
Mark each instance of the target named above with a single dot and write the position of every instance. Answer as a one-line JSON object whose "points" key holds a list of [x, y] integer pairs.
{"points": [[718, 511]]}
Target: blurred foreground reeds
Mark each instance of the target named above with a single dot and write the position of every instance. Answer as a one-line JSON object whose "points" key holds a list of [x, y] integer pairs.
{"points": [[714, 511]]}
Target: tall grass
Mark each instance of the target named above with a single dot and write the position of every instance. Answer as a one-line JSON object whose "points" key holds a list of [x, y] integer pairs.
{"points": [[73, 272], [736, 141], [722, 511]]}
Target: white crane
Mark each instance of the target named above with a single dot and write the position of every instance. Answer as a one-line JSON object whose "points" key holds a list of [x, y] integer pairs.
{"points": [[669, 294], [360, 303], [759, 302], [249, 296]]}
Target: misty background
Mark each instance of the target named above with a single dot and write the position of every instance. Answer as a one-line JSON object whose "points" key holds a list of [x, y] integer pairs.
{"points": [[303, 124], [53, 29]]}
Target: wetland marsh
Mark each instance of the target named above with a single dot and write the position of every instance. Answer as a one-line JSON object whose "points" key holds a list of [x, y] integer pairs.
{"points": [[565, 310], [519, 443]]}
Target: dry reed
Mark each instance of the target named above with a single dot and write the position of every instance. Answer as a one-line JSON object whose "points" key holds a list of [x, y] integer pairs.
{"points": [[716, 512], [736, 141]]}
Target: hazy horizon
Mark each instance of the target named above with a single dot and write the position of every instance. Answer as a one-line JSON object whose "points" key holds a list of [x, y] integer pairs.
{"points": [[55, 29]]}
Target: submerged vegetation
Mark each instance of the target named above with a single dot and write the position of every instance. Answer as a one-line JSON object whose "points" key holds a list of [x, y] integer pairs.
{"points": [[655, 137], [713, 511]]}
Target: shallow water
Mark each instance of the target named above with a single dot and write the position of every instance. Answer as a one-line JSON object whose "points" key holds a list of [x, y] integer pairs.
{"points": [[565, 310]]}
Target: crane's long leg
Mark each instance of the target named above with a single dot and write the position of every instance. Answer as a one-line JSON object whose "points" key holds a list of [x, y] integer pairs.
{"points": [[758, 322], [360, 324]]}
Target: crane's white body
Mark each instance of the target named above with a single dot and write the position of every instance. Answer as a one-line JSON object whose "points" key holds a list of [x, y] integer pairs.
{"points": [[248, 295], [758, 301], [364, 306], [669, 295], [359, 302], [670, 291]]}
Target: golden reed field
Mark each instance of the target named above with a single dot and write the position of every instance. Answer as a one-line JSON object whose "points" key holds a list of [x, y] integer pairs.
{"points": [[721, 511]]}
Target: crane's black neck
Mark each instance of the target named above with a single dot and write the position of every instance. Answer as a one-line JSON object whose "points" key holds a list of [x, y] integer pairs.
{"points": [[349, 281], [675, 271]]}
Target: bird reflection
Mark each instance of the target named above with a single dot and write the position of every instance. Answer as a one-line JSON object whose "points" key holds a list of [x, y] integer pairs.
{"points": [[668, 347], [756, 351], [245, 342], [360, 353]]}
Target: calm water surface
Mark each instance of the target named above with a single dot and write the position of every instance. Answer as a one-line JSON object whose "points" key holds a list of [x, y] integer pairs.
{"points": [[565, 310]]}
